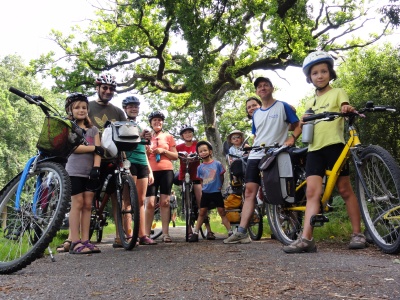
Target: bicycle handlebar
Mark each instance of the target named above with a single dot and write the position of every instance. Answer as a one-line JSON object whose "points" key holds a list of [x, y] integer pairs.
{"points": [[329, 116]]}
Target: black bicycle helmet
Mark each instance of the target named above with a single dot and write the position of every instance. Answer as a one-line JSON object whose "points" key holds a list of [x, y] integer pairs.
{"points": [[156, 114], [203, 143], [130, 100], [106, 78], [71, 98], [186, 127]]}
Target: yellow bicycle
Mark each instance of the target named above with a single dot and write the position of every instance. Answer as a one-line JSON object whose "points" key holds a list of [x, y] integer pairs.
{"points": [[377, 179]]}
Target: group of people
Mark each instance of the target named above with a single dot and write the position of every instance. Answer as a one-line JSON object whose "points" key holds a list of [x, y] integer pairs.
{"points": [[152, 167]]}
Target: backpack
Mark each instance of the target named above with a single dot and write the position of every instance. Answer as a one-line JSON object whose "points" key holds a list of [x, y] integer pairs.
{"points": [[277, 180]]}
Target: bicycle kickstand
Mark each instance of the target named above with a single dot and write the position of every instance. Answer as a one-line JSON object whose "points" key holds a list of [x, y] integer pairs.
{"points": [[51, 254]]}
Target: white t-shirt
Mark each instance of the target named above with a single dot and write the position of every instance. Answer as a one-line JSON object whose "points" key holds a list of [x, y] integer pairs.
{"points": [[271, 126]]}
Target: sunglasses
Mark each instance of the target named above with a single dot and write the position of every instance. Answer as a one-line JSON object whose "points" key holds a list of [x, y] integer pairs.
{"points": [[106, 87], [236, 137]]}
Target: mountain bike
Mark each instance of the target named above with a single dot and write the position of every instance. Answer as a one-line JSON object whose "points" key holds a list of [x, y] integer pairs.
{"points": [[33, 204], [124, 187], [377, 178]]}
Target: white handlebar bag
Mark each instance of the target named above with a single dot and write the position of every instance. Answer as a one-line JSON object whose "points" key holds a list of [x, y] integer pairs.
{"points": [[108, 143], [125, 135]]}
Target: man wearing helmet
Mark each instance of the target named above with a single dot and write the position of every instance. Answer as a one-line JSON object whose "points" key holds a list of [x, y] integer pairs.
{"points": [[327, 145], [271, 123], [101, 111], [189, 146]]}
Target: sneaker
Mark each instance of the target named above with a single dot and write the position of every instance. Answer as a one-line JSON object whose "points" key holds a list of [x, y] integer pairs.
{"points": [[117, 243], [358, 241], [145, 240], [301, 245], [230, 232], [238, 238], [194, 238]]}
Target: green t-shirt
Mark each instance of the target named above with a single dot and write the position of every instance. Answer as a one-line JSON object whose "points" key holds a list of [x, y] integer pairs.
{"points": [[328, 133], [137, 156]]}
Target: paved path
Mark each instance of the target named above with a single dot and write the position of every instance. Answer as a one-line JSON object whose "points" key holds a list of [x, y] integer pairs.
{"points": [[209, 270]]}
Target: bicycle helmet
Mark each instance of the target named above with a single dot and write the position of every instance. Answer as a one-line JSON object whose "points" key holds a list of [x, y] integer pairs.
{"points": [[314, 58], [130, 100], [203, 143], [71, 98], [156, 114], [106, 78], [186, 127]]}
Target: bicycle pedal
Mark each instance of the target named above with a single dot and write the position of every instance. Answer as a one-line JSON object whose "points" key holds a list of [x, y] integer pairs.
{"points": [[318, 220]]}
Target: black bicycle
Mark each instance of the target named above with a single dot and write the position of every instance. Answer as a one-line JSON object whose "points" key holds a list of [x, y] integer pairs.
{"points": [[33, 204]]}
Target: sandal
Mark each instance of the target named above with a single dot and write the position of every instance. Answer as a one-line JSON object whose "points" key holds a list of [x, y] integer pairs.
{"points": [[167, 238], [64, 247], [92, 247], [145, 240], [210, 235], [75, 249], [117, 243]]}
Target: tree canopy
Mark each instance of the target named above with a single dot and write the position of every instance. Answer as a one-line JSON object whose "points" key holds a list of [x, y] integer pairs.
{"points": [[193, 55]]}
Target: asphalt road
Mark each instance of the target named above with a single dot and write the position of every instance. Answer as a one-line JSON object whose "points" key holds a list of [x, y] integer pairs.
{"points": [[209, 270]]}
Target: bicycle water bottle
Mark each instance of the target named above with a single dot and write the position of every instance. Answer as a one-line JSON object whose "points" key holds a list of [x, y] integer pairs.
{"points": [[158, 157], [308, 129]]}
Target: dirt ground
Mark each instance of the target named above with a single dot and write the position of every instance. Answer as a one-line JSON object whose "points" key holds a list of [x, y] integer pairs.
{"points": [[209, 270]]}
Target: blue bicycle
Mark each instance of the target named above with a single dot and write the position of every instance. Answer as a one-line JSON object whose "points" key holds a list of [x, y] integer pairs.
{"points": [[33, 204]]}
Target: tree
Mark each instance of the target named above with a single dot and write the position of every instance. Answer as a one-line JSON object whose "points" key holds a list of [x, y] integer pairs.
{"points": [[20, 123], [373, 74], [197, 52]]}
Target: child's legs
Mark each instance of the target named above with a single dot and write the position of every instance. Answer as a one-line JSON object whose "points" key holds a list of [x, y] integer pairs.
{"points": [[200, 219], [345, 190], [224, 219], [314, 190], [86, 214], [197, 194], [75, 216]]}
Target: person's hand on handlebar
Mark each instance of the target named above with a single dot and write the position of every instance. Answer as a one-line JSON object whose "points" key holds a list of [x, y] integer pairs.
{"points": [[347, 108]]}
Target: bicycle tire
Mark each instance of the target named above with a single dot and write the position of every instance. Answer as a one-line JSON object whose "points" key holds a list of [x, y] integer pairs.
{"points": [[130, 214], [256, 225], [269, 215], [286, 223], [25, 234], [381, 175]]}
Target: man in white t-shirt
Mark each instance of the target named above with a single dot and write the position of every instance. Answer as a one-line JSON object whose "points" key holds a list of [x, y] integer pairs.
{"points": [[271, 123]]}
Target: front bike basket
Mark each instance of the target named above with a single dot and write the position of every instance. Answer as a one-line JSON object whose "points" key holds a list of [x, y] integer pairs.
{"points": [[57, 137]]}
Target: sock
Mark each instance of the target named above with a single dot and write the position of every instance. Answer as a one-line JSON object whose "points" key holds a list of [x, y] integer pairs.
{"points": [[242, 230]]}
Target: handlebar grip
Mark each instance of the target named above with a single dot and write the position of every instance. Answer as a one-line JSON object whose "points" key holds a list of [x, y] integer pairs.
{"points": [[313, 117], [17, 92]]}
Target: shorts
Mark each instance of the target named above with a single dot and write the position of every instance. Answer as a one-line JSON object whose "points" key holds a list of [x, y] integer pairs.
{"points": [[141, 171], [78, 185], [324, 159], [211, 200], [252, 171], [163, 181]]}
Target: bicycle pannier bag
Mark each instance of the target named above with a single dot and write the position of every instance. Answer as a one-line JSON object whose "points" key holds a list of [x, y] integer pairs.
{"points": [[277, 179], [125, 135], [232, 204]]}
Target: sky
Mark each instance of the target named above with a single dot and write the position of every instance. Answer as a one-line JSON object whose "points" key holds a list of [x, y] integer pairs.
{"points": [[25, 26]]}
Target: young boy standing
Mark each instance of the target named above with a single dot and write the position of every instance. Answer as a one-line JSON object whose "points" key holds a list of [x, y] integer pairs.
{"points": [[211, 172]]}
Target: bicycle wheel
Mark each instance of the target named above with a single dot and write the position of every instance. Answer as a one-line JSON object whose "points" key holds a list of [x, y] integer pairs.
{"points": [[269, 213], [287, 224], [28, 227], [256, 224], [379, 198], [127, 212]]}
